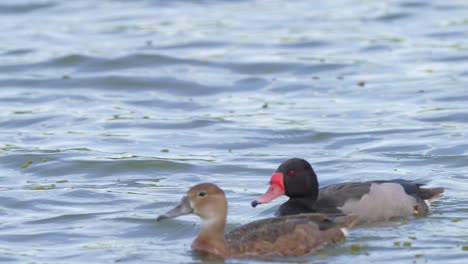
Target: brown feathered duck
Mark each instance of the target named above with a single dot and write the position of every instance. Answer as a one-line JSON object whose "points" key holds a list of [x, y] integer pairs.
{"points": [[272, 237], [369, 201]]}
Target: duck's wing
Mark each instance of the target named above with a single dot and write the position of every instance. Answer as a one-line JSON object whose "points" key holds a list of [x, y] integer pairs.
{"points": [[333, 196], [336, 195], [285, 236], [376, 200], [322, 220]]}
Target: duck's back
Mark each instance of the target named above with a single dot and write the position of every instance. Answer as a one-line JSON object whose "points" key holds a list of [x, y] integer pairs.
{"points": [[376, 200], [284, 236]]}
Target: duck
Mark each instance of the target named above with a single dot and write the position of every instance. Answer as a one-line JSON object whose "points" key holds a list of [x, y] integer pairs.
{"points": [[369, 201], [288, 236]]}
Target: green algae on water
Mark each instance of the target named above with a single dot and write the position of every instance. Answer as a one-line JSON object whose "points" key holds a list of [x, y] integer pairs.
{"points": [[61, 181], [407, 244], [26, 164], [322, 255], [357, 247], [44, 187]]}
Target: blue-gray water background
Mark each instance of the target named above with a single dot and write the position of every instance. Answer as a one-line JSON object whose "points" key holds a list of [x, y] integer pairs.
{"points": [[110, 110]]}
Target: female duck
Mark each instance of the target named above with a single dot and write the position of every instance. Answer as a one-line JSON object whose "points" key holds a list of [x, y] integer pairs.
{"points": [[282, 236], [368, 201]]}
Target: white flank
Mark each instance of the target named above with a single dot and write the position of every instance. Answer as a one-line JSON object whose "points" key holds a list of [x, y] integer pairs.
{"points": [[345, 231], [384, 201], [428, 202]]}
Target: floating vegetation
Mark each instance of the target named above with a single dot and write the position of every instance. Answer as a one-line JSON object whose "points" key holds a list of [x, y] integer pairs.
{"points": [[456, 220], [355, 248], [150, 185], [136, 193], [407, 244], [26, 164], [119, 117], [66, 77], [412, 237], [22, 112], [44, 187], [361, 84], [265, 105], [464, 248], [165, 150], [322, 255], [61, 181], [404, 244]]}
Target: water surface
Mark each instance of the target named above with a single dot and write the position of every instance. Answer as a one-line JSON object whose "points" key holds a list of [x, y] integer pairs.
{"points": [[111, 110]]}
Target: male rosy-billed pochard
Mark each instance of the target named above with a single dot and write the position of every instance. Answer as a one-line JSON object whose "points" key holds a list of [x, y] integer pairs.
{"points": [[369, 201], [281, 236]]}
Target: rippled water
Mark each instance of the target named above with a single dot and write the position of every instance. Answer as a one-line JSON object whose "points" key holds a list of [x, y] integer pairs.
{"points": [[110, 110]]}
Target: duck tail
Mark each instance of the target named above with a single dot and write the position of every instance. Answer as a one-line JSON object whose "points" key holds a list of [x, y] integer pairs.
{"points": [[430, 193]]}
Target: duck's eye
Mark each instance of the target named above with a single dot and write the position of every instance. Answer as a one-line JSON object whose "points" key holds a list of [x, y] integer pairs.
{"points": [[291, 173], [201, 194]]}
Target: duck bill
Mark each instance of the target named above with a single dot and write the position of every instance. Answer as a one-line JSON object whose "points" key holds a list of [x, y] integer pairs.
{"points": [[276, 190], [182, 208]]}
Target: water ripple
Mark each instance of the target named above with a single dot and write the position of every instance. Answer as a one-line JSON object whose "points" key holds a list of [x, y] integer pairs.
{"points": [[110, 110], [24, 8]]}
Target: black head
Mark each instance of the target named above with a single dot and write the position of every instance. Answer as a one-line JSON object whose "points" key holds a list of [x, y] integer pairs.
{"points": [[294, 178], [299, 178]]}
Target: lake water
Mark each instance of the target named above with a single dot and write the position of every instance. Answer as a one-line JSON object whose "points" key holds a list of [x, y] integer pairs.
{"points": [[111, 110]]}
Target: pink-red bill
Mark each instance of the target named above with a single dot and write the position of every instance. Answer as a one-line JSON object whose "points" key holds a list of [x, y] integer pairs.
{"points": [[276, 189]]}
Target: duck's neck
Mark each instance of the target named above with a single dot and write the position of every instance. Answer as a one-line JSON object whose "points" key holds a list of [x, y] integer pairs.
{"points": [[297, 205], [211, 237], [305, 202]]}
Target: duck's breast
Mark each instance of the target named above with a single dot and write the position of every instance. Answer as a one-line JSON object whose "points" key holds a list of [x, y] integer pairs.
{"points": [[382, 202]]}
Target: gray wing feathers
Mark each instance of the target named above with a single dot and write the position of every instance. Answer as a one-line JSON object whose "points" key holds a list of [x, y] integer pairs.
{"points": [[336, 195]]}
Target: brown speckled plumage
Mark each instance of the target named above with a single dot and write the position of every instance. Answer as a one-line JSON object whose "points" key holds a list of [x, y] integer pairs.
{"points": [[281, 236]]}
